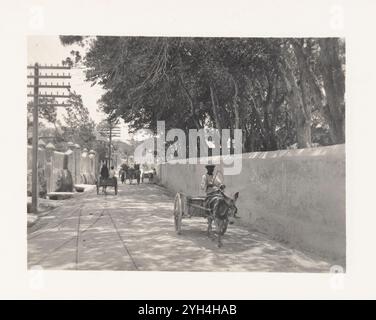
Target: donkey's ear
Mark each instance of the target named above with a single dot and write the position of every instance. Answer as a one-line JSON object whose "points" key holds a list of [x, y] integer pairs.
{"points": [[236, 195]]}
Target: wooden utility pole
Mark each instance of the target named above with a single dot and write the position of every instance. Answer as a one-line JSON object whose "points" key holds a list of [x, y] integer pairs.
{"points": [[36, 104], [111, 131], [34, 169], [109, 149]]}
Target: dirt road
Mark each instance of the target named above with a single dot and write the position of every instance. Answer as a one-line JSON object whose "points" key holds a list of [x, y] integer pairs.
{"points": [[134, 231]]}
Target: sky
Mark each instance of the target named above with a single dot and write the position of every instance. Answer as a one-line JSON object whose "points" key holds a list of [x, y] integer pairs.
{"points": [[49, 50]]}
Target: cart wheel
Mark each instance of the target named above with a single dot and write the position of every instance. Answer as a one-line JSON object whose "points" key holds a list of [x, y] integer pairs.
{"points": [[178, 213]]}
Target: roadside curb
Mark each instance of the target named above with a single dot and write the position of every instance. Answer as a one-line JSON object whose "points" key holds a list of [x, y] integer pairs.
{"points": [[32, 219]]}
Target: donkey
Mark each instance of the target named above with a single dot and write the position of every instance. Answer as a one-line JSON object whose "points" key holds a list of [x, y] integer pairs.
{"points": [[221, 208]]}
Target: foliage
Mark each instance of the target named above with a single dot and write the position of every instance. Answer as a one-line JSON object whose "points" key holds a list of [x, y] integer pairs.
{"points": [[278, 91], [79, 127]]}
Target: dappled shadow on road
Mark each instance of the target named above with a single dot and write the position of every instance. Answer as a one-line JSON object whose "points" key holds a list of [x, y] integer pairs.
{"points": [[151, 238], [135, 231], [162, 249]]}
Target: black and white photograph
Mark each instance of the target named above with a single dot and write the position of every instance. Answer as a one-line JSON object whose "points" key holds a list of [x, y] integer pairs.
{"points": [[175, 150], [186, 153]]}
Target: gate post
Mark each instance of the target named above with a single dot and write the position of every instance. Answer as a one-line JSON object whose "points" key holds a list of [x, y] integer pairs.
{"points": [[50, 149], [77, 163]]}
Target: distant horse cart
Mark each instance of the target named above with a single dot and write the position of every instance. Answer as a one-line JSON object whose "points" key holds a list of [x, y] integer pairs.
{"points": [[104, 183], [133, 174], [217, 208], [147, 175]]}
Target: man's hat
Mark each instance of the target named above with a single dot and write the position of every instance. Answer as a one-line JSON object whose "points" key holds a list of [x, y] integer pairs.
{"points": [[210, 166]]}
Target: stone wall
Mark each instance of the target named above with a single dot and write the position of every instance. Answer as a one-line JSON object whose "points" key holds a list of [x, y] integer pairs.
{"points": [[81, 166], [294, 196]]}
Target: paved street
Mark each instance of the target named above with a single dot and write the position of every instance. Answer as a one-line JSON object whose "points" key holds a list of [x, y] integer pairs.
{"points": [[134, 231]]}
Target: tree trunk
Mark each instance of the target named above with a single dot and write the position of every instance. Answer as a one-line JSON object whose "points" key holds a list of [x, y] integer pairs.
{"points": [[306, 116], [269, 107], [215, 110], [334, 85], [187, 94], [191, 103], [297, 98], [235, 104], [257, 131]]}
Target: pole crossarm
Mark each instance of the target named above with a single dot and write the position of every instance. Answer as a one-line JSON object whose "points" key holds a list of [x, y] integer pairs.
{"points": [[113, 136], [50, 67], [51, 95], [107, 134], [50, 77], [55, 105], [110, 129], [50, 86]]}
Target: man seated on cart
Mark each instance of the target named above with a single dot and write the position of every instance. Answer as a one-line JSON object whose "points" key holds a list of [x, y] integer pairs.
{"points": [[212, 184]]}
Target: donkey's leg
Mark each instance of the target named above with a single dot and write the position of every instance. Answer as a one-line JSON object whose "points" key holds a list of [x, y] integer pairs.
{"points": [[218, 226], [210, 221], [219, 232], [219, 240]]}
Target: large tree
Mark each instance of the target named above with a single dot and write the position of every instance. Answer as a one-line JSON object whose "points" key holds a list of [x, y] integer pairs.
{"points": [[279, 91]]}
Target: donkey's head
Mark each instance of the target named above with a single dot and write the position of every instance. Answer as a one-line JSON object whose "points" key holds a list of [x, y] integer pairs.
{"points": [[231, 203], [226, 207]]}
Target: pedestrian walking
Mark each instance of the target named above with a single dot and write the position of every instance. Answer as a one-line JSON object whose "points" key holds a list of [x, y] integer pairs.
{"points": [[104, 174]]}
